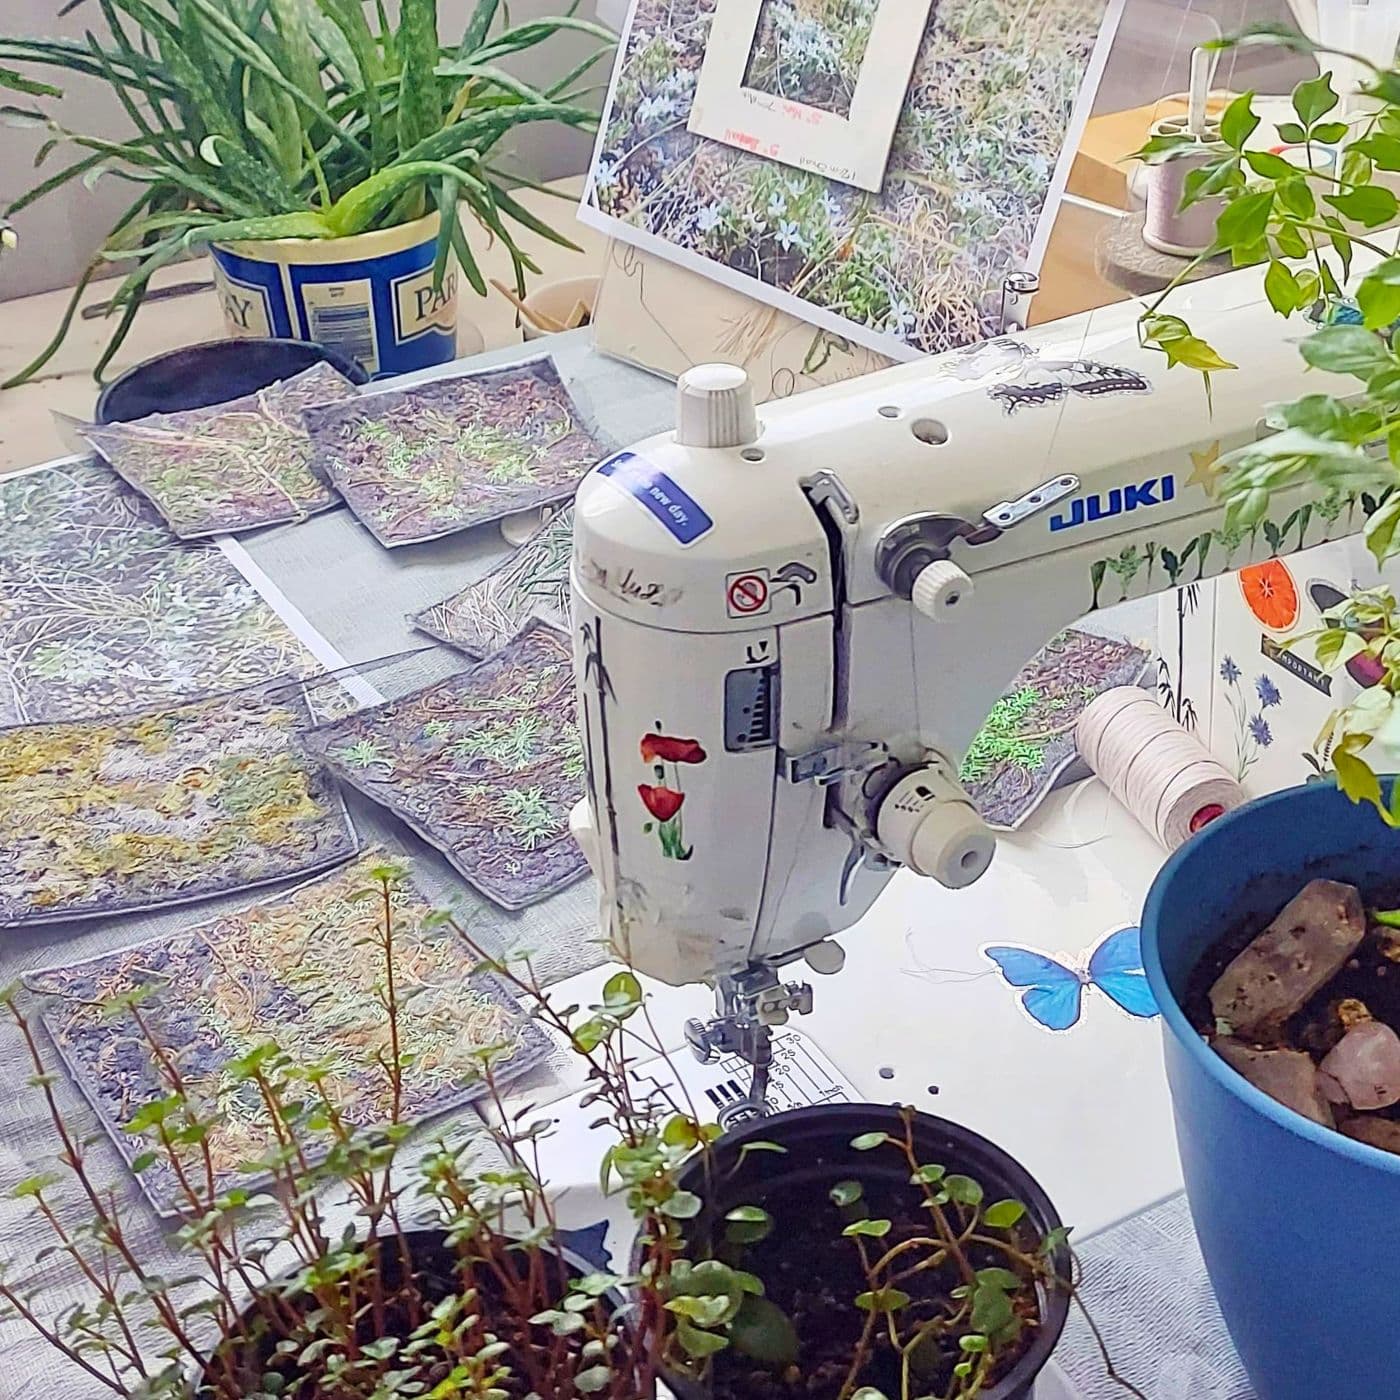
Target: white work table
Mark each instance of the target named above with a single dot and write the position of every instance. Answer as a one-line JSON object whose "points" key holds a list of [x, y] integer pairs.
{"points": [[1086, 1110]]}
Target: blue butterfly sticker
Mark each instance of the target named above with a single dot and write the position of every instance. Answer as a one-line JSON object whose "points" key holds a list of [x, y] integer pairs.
{"points": [[1054, 992]]}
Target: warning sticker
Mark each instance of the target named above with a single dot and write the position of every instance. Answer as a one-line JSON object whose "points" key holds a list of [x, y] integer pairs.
{"points": [[746, 594]]}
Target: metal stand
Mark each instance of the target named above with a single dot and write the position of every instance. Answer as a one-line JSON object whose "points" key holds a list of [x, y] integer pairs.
{"points": [[1017, 288]]}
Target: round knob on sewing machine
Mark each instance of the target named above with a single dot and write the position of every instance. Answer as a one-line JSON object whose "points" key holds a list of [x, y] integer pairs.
{"points": [[928, 823], [939, 588], [714, 407]]}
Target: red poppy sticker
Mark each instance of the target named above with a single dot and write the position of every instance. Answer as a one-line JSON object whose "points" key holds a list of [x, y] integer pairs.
{"points": [[664, 798], [662, 802]]}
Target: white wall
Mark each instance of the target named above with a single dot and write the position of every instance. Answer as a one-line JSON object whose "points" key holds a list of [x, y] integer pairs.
{"points": [[59, 235]]}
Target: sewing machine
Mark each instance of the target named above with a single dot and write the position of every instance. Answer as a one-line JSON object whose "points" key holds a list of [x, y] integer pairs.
{"points": [[788, 625]]}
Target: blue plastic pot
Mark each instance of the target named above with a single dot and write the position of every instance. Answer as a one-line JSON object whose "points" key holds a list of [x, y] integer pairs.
{"points": [[1300, 1226]]}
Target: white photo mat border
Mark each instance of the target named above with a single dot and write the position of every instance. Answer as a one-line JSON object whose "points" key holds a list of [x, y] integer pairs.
{"points": [[853, 149]]}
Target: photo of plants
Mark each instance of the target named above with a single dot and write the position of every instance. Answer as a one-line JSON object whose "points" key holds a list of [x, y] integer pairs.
{"points": [[232, 467], [986, 116], [486, 765], [1028, 738], [416, 464], [811, 51], [105, 816], [103, 610], [303, 971], [531, 582]]}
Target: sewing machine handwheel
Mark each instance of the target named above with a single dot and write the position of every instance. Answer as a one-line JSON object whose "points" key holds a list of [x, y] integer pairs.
{"points": [[928, 823]]}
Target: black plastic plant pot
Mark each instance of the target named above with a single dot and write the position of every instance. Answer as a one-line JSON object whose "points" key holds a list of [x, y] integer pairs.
{"points": [[434, 1266], [198, 376], [818, 1154]]}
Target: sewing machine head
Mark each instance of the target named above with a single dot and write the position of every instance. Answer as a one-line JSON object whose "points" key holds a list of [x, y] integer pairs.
{"points": [[789, 624]]}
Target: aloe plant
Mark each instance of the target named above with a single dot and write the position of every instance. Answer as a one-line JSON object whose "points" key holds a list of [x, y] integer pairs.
{"points": [[257, 119]]}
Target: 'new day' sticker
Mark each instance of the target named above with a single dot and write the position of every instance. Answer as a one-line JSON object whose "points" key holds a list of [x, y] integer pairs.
{"points": [[654, 490]]}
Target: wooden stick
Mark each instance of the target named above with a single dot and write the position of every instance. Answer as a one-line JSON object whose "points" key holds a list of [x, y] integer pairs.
{"points": [[539, 319]]}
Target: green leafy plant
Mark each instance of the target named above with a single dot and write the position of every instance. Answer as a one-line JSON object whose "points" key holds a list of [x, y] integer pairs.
{"points": [[1312, 223], [980, 1254], [449, 1281], [317, 119], [1365, 625]]}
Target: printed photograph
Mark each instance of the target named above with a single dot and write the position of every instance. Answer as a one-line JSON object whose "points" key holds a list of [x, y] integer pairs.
{"points": [[101, 817], [236, 466], [416, 464], [102, 610], [811, 51], [303, 970], [486, 765], [919, 264], [533, 581]]}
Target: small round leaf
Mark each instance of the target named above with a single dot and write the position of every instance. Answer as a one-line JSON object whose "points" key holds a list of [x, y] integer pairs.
{"points": [[846, 1193], [681, 1205], [866, 1141], [1002, 1215], [963, 1189]]}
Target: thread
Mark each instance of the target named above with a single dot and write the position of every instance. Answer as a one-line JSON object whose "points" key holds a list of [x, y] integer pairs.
{"points": [[1168, 227], [1161, 773]]}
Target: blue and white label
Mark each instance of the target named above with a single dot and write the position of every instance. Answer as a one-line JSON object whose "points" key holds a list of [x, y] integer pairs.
{"points": [[682, 517]]}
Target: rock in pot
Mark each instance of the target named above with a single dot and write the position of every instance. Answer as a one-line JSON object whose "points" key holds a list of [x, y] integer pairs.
{"points": [[1363, 1070], [1286, 1075], [1297, 955]]}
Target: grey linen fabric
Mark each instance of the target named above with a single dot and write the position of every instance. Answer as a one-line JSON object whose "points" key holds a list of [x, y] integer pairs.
{"points": [[359, 597], [1145, 1284]]}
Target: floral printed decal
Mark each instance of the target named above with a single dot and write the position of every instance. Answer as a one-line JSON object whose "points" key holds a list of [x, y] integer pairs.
{"points": [[1252, 732], [664, 798], [1135, 567]]}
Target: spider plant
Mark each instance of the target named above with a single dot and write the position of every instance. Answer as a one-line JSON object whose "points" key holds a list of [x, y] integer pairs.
{"points": [[261, 119]]}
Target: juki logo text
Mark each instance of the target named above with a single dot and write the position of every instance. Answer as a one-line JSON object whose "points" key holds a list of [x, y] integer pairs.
{"points": [[1155, 491]]}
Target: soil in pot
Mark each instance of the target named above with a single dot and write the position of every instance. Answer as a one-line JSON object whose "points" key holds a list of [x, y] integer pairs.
{"points": [[257, 1354], [1307, 1007], [814, 1274]]}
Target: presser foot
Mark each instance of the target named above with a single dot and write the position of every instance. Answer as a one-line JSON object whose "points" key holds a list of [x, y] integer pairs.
{"points": [[748, 1005]]}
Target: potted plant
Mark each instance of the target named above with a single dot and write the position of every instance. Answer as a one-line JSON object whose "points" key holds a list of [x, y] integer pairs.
{"points": [[451, 1279], [860, 1250], [1278, 1138], [319, 151], [937, 1266]]}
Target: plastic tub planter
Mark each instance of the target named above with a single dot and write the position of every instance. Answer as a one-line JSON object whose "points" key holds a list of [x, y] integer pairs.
{"points": [[1299, 1225], [369, 296]]}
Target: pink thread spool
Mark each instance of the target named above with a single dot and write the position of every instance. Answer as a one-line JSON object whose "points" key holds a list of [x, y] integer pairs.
{"points": [[1168, 227]]}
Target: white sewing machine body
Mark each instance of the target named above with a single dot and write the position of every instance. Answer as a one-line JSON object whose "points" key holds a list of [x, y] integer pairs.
{"points": [[768, 717]]}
